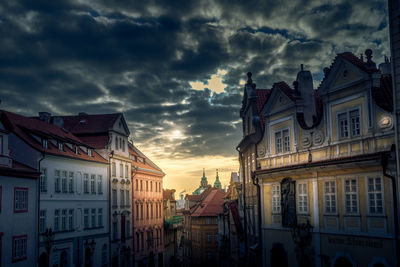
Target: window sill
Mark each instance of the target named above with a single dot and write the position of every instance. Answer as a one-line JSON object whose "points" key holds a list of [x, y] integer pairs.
{"points": [[352, 215], [20, 211], [376, 216], [64, 231]]}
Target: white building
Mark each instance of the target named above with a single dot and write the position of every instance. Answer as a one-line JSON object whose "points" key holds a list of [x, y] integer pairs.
{"points": [[73, 191], [18, 209], [108, 134]]}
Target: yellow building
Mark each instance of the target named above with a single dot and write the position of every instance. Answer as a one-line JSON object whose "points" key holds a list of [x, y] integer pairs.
{"points": [[326, 195]]}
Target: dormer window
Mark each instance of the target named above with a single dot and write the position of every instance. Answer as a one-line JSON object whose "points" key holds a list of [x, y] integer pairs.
{"points": [[76, 150], [349, 123], [89, 152], [45, 143], [60, 146], [282, 141]]}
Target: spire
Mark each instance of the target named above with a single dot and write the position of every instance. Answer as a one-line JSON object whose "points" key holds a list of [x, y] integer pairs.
{"points": [[204, 182], [217, 183]]}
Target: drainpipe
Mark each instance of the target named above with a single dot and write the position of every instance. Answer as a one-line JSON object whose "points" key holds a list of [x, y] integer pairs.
{"points": [[38, 208], [260, 239], [133, 221], [244, 203], [111, 154], [384, 163]]}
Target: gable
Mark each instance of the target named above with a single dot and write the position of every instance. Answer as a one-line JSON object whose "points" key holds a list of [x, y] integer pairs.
{"points": [[346, 75], [277, 102], [120, 126]]}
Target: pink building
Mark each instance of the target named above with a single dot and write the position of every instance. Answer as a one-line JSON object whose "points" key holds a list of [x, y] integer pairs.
{"points": [[147, 210]]}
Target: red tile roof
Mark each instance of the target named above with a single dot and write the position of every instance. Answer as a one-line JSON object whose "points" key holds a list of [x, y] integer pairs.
{"points": [[148, 164], [357, 62], [88, 124], [24, 127], [19, 170], [169, 194], [96, 141], [262, 97], [211, 205], [285, 88]]}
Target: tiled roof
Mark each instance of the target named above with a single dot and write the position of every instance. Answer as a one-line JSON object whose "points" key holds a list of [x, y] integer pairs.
{"points": [[19, 170], [88, 124], [357, 62], [285, 88], [168, 194], [24, 127], [211, 205], [148, 164], [383, 95], [96, 141], [262, 97]]}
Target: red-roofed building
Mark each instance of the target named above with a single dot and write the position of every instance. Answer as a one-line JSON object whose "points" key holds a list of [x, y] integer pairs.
{"points": [[72, 190], [147, 209]]}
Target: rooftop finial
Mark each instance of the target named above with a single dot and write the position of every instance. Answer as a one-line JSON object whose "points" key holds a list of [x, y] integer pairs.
{"points": [[217, 172], [249, 80], [370, 64], [204, 174]]}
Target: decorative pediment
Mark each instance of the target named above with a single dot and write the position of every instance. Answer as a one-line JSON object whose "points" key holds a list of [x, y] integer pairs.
{"points": [[279, 99], [120, 126]]}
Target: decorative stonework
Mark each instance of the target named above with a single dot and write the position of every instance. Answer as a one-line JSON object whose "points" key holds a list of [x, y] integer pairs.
{"points": [[386, 123], [306, 140], [318, 138]]}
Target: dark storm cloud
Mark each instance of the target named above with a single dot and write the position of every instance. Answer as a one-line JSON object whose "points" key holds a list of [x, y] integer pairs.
{"points": [[140, 57]]}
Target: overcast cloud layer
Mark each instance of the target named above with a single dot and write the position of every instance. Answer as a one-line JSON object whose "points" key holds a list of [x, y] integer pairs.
{"points": [[141, 58]]}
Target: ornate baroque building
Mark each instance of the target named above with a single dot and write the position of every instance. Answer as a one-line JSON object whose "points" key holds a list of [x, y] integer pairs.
{"points": [[323, 161]]}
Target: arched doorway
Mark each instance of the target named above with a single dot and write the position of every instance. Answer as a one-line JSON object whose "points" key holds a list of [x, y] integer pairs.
{"points": [[278, 257], [43, 260], [342, 262], [88, 262], [63, 259]]}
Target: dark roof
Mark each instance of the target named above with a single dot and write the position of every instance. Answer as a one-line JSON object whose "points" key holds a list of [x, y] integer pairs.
{"points": [[383, 95], [211, 205], [285, 88], [24, 127], [96, 141], [262, 97], [89, 124], [19, 170], [357, 62], [147, 164]]}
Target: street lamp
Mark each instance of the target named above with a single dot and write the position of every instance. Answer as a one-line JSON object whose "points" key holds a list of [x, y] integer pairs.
{"points": [[48, 236], [90, 246], [302, 237]]}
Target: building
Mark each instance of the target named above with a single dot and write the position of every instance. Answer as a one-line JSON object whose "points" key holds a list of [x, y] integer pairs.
{"points": [[253, 127], [203, 185], [72, 192], [172, 229], [323, 165], [217, 183], [108, 135], [19, 185], [204, 228], [147, 209]]}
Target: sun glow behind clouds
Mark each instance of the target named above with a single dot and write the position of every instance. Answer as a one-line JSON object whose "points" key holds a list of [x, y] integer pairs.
{"points": [[215, 84]]}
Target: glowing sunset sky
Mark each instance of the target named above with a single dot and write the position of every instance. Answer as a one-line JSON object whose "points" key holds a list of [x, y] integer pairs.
{"points": [[176, 69]]}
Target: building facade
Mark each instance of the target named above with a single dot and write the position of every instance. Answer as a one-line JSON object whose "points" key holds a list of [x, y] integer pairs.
{"points": [[18, 205], [323, 165], [147, 209]]}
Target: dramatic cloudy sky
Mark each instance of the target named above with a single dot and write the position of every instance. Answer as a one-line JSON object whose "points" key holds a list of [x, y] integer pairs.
{"points": [[176, 69]]}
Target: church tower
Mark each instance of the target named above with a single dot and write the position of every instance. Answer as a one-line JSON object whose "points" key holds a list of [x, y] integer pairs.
{"points": [[217, 183], [203, 182]]}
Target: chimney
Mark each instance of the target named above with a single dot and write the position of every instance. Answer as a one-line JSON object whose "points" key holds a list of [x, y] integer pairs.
{"points": [[306, 89], [45, 116], [58, 121]]}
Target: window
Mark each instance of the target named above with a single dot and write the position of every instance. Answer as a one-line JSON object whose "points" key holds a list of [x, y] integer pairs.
{"points": [[330, 196], [351, 198], [137, 242], [137, 211], [71, 182], [113, 169], [93, 183], [151, 213], [209, 238], [137, 184], [20, 199], [121, 170], [43, 180], [60, 146], [375, 193], [86, 183], [89, 152], [126, 171], [282, 141], [349, 123], [123, 145], [100, 217], [128, 203], [276, 199], [147, 186], [122, 194], [56, 220], [104, 255], [128, 228], [19, 248], [99, 184], [63, 220], [141, 185], [114, 197], [57, 181], [120, 143], [42, 221], [141, 211], [71, 219], [116, 143], [64, 181], [86, 218], [302, 197], [208, 221], [147, 211], [93, 219], [142, 240], [115, 230]]}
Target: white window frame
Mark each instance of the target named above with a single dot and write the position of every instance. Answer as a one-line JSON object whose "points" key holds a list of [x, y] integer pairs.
{"points": [[330, 200], [100, 184], [57, 181], [126, 171], [382, 192], [71, 183], [57, 216], [100, 217], [86, 222], [93, 218], [71, 219], [122, 197], [86, 183], [349, 123], [284, 149], [64, 214], [64, 181], [42, 221], [351, 193], [303, 202], [43, 180], [121, 170], [276, 199], [93, 183]]}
